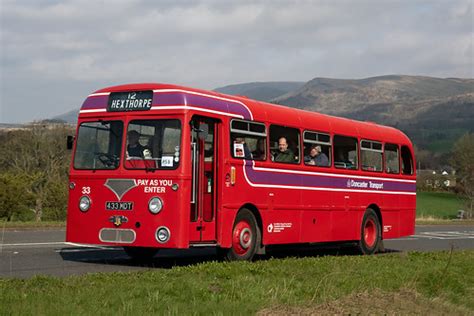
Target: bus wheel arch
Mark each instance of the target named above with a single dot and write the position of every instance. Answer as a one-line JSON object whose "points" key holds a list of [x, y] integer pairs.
{"points": [[370, 240], [260, 247], [246, 235], [377, 211]]}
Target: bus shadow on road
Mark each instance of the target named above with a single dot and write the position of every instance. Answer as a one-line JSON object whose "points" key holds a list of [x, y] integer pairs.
{"points": [[167, 259]]}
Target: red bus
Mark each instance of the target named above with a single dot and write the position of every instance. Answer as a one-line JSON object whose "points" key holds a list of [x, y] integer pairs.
{"points": [[162, 166]]}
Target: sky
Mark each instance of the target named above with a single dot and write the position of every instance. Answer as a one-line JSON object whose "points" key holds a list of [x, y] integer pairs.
{"points": [[55, 53]]}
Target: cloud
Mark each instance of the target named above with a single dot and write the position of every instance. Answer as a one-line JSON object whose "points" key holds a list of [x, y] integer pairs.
{"points": [[75, 47]]}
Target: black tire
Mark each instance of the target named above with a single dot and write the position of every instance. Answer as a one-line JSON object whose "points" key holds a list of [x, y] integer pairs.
{"points": [[370, 233], [245, 237], [141, 253]]}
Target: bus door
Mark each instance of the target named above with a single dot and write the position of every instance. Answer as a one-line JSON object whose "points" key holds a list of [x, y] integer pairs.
{"points": [[203, 194]]}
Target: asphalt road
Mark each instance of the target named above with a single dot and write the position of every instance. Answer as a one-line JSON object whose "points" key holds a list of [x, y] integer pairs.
{"points": [[25, 253]]}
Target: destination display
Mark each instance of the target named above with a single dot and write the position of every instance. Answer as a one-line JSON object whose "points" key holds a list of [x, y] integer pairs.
{"points": [[130, 101]]}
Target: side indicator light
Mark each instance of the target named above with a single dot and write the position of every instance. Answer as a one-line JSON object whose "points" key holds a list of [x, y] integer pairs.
{"points": [[232, 175]]}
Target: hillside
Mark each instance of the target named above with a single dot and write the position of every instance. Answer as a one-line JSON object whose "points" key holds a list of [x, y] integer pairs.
{"points": [[262, 91], [434, 112], [69, 117]]}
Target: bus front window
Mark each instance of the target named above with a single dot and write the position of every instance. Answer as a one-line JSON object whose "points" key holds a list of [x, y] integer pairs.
{"points": [[98, 145], [153, 144]]}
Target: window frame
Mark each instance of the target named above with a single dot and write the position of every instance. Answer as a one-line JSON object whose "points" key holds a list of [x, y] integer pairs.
{"points": [[357, 151], [318, 142], [248, 132], [297, 142], [385, 158], [125, 141], [412, 161], [119, 156], [371, 149]]}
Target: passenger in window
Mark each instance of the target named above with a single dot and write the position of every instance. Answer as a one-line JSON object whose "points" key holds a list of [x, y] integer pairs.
{"points": [[259, 153], [316, 157], [284, 154], [134, 148]]}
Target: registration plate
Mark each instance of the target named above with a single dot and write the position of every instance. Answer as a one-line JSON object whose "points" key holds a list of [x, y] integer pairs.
{"points": [[119, 206]]}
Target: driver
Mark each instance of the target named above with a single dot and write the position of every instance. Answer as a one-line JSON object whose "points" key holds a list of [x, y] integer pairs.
{"points": [[134, 148]]}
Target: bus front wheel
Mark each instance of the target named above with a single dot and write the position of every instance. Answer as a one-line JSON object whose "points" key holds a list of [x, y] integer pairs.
{"points": [[244, 237], [370, 233], [141, 253]]}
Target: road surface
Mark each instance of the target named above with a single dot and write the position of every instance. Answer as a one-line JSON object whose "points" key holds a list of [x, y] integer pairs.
{"points": [[25, 253]]}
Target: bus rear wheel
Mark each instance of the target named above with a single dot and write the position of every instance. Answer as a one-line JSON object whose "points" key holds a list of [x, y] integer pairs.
{"points": [[141, 253], [244, 237], [370, 233]]}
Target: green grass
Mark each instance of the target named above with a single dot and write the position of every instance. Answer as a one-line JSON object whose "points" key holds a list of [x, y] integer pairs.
{"points": [[439, 205], [243, 287]]}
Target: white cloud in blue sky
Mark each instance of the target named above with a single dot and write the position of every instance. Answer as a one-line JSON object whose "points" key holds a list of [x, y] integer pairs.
{"points": [[54, 53]]}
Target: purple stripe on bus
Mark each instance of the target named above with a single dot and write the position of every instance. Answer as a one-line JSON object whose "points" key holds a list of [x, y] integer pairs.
{"points": [[178, 98], [205, 102], [276, 178], [96, 102]]}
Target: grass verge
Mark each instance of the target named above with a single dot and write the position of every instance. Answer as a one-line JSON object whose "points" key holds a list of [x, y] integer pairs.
{"points": [[440, 205], [243, 287]]}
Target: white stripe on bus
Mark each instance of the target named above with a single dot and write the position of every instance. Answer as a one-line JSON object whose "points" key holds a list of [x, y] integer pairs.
{"points": [[98, 94], [329, 174], [320, 188], [172, 107]]}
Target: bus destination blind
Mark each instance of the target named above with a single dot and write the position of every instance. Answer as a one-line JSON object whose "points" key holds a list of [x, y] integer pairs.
{"points": [[130, 101]]}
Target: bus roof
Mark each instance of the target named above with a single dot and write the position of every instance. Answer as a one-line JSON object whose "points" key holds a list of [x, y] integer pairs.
{"points": [[176, 98]]}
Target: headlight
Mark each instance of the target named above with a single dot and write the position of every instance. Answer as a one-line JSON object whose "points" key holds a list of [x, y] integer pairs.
{"points": [[163, 234], [84, 203], [155, 205]]}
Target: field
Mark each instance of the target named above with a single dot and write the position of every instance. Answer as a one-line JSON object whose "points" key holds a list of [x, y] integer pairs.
{"points": [[405, 283], [440, 205]]}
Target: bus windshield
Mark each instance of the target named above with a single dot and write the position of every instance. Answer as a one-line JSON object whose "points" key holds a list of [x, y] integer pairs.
{"points": [[98, 145], [153, 144]]}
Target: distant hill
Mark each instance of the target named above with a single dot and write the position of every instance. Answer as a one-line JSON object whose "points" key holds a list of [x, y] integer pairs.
{"points": [[434, 112], [262, 91], [69, 117]]}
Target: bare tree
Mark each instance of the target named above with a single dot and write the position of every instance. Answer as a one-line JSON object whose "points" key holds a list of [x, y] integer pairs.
{"points": [[463, 161]]}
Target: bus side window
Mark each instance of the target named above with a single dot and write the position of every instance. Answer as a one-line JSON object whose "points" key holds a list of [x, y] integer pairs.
{"points": [[317, 149], [392, 160], [371, 156], [285, 144], [407, 161], [345, 152], [248, 140]]}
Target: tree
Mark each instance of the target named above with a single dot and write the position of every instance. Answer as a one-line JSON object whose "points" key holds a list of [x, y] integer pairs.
{"points": [[463, 162], [14, 201], [38, 156]]}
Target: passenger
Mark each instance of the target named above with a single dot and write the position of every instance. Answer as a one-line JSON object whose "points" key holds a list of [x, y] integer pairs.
{"points": [[259, 153], [316, 157], [284, 154], [134, 148]]}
